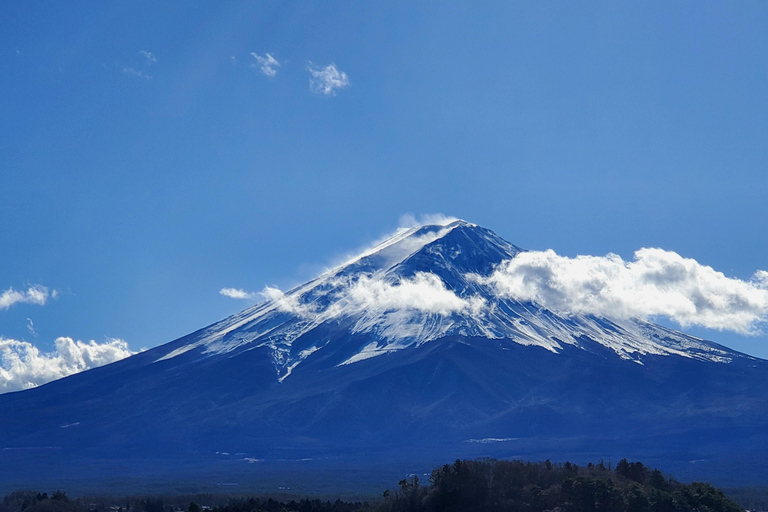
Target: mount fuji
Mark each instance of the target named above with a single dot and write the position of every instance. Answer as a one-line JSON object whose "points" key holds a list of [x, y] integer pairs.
{"points": [[406, 354]]}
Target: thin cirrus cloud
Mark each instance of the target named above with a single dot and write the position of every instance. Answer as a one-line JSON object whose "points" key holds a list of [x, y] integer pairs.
{"points": [[267, 64], [24, 366], [31, 327], [327, 79], [151, 59], [35, 294], [655, 283], [137, 72]]}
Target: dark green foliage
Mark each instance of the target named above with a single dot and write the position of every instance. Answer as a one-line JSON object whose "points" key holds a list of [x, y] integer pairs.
{"points": [[483, 485], [584, 494], [493, 485], [632, 470], [706, 498], [459, 486], [30, 501]]}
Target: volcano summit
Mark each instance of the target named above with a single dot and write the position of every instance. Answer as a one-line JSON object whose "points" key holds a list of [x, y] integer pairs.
{"points": [[406, 354]]}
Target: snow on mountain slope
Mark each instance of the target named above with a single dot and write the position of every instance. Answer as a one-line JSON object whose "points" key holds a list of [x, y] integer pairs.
{"points": [[421, 285]]}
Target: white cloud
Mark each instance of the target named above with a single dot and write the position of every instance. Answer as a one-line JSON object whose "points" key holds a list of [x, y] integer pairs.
{"points": [[35, 294], [237, 293], [655, 283], [137, 72], [325, 80], [23, 366], [151, 59], [267, 64], [425, 292], [373, 295]]}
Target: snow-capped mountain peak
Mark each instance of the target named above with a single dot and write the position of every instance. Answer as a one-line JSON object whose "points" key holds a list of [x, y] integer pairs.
{"points": [[418, 286], [402, 244], [406, 348]]}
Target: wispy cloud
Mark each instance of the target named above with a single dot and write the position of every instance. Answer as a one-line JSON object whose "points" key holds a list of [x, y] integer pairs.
{"points": [[410, 220], [151, 59], [267, 64], [326, 79], [288, 303], [31, 327], [137, 72], [35, 294], [655, 283], [23, 366], [237, 293]]}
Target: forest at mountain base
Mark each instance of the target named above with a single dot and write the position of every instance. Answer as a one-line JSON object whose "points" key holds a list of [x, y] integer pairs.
{"points": [[482, 485]]}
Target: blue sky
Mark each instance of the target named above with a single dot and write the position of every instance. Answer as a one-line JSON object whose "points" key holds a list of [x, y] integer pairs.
{"points": [[147, 161]]}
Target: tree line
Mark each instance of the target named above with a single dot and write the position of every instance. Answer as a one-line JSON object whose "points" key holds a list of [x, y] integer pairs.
{"points": [[482, 485], [489, 485]]}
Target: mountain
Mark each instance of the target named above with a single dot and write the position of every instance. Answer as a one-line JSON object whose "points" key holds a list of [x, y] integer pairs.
{"points": [[404, 355]]}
